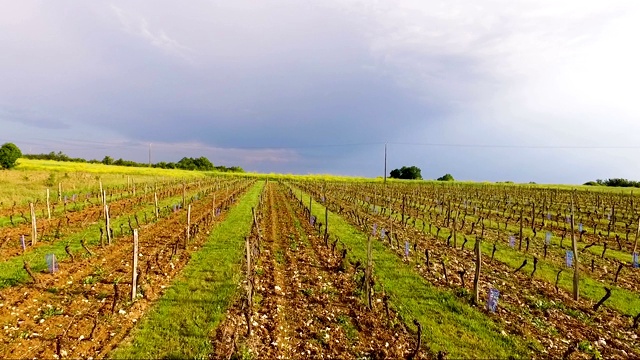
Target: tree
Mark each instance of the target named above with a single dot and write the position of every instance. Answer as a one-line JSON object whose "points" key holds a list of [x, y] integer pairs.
{"points": [[203, 164], [9, 154], [410, 173], [446, 177], [108, 160]]}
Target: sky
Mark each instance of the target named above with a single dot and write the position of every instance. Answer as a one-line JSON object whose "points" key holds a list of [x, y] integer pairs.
{"points": [[494, 90]]}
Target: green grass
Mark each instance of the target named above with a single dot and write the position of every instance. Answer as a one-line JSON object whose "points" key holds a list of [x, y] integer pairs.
{"points": [[72, 167], [449, 325], [180, 324], [30, 179]]}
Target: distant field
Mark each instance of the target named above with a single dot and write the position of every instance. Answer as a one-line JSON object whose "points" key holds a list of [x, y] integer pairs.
{"points": [[30, 179]]}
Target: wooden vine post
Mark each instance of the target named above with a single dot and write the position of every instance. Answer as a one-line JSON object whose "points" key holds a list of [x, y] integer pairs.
{"points": [[155, 202], [34, 228], [533, 216], [188, 226], [249, 311], [455, 242], [576, 275], [248, 250], [404, 200], [326, 222], [635, 244], [368, 273], [184, 193], [48, 206], [107, 225], [476, 278], [213, 205], [59, 192], [134, 267], [521, 223]]}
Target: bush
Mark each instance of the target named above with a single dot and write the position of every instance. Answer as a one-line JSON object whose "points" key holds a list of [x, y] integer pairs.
{"points": [[9, 154], [446, 177], [406, 172]]}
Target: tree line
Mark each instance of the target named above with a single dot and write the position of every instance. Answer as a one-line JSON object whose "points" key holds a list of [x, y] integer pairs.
{"points": [[186, 163], [614, 182]]}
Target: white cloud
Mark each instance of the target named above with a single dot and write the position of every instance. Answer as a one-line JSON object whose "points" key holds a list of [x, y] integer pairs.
{"points": [[139, 26]]}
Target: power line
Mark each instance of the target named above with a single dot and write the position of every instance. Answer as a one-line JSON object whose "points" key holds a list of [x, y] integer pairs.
{"points": [[502, 146], [73, 144]]}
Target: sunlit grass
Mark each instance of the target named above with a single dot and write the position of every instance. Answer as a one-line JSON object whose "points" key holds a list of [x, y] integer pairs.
{"points": [[179, 326], [30, 179]]}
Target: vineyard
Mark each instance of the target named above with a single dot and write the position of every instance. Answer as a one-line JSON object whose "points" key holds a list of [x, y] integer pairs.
{"points": [[249, 267]]}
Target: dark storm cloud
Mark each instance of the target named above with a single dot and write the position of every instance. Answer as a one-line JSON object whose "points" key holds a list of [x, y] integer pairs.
{"points": [[279, 75], [290, 86], [31, 118]]}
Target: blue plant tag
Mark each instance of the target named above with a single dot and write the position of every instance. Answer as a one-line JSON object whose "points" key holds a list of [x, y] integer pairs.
{"points": [[312, 220], [547, 238], [635, 260], [375, 228], [580, 227], [322, 198], [22, 243], [568, 219], [512, 241], [548, 216], [52, 264], [406, 248], [492, 303], [383, 233], [569, 258]]}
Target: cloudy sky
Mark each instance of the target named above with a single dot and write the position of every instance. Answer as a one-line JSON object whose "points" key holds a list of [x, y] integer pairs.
{"points": [[538, 90]]}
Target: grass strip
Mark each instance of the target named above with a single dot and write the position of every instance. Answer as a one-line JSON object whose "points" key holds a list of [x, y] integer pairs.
{"points": [[180, 324], [449, 325]]}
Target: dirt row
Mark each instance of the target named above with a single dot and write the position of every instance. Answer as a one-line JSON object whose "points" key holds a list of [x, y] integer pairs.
{"points": [[306, 302], [597, 266], [417, 207], [527, 306], [57, 228], [85, 309]]}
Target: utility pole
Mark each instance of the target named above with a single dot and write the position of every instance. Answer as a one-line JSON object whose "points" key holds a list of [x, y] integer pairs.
{"points": [[385, 163], [149, 154]]}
